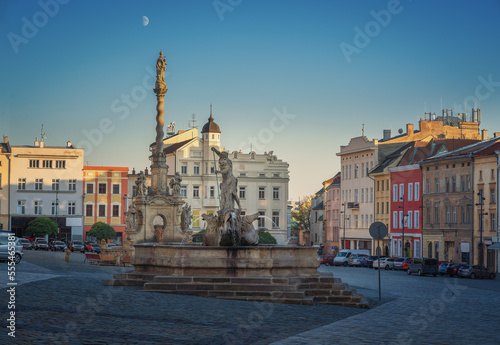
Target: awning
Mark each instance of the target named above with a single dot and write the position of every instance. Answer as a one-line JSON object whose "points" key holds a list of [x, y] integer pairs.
{"points": [[494, 246]]}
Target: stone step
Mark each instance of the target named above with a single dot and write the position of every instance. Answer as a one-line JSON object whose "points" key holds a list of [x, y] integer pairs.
{"points": [[304, 301], [124, 282]]}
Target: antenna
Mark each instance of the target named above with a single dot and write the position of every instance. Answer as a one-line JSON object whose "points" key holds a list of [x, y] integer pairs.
{"points": [[363, 130], [42, 134], [193, 121]]}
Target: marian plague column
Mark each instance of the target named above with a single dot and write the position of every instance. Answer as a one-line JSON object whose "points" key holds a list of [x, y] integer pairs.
{"points": [[159, 168]]}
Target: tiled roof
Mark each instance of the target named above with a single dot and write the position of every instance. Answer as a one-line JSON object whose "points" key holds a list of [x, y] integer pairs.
{"points": [[174, 147]]}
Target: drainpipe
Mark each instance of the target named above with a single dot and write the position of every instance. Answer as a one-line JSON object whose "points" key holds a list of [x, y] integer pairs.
{"points": [[471, 259], [8, 192]]}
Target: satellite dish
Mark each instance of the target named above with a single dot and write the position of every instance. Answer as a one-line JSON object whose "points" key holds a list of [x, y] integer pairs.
{"points": [[400, 131]]}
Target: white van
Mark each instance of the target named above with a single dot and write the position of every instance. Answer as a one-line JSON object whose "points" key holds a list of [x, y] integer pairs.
{"points": [[342, 257]]}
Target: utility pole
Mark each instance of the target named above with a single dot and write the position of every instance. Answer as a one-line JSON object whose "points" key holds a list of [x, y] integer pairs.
{"points": [[480, 254]]}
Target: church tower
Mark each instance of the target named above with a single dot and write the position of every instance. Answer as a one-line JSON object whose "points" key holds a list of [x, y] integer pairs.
{"points": [[210, 135]]}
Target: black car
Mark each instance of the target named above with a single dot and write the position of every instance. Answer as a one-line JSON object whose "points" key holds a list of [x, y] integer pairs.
{"points": [[96, 248], [77, 245], [58, 245]]}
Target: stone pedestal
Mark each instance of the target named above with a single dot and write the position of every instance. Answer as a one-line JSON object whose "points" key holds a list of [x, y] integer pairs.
{"points": [[159, 172]]}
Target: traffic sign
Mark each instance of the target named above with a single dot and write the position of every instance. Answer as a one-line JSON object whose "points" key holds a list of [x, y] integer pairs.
{"points": [[378, 230]]}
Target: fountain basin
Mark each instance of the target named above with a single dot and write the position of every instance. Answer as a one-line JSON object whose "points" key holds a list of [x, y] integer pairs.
{"points": [[194, 260]]}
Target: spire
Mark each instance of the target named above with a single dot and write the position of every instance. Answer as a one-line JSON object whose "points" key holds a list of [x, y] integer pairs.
{"points": [[210, 113]]}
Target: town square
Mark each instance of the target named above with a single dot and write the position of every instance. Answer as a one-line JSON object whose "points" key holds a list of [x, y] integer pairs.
{"points": [[249, 172]]}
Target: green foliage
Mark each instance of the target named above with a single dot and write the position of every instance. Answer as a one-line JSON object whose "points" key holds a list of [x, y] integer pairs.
{"points": [[302, 215], [42, 226], [102, 231], [266, 238]]}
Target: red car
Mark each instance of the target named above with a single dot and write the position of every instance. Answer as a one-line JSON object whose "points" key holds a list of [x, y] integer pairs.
{"points": [[404, 267], [452, 270], [326, 260]]}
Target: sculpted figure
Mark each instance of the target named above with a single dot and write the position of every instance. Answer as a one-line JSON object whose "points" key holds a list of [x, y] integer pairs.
{"points": [[141, 184], [131, 218], [212, 234], [229, 182], [160, 68], [175, 184], [250, 235], [185, 217]]}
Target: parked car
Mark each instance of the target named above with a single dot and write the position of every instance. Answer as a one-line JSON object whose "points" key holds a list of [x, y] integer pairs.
{"points": [[76, 245], [368, 261], [475, 271], [342, 257], [443, 267], [398, 263], [423, 266], [386, 263], [324, 260], [41, 243], [26, 243], [57, 245], [405, 263], [10, 244], [452, 270], [356, 259], [96, 248]]}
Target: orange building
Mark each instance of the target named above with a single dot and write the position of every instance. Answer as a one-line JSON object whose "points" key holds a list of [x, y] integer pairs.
{"points": [[105, 198]]}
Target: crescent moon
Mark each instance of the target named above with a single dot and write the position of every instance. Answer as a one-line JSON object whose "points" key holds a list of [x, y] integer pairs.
{"points": [[145, 21]]}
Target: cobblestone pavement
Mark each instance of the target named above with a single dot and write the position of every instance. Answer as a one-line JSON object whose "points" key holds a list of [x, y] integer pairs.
{"points": [[59, 303]]}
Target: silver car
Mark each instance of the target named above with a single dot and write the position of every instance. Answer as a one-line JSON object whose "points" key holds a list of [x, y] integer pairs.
{"points": [[10, 244]]}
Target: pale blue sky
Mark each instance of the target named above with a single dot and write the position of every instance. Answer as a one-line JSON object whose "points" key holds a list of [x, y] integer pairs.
{"points": [[68, 67]]}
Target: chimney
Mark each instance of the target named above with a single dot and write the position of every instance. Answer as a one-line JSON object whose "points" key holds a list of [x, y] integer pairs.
{"points": [[146, 172], [496, 134], [409, 128], [37, 144], [387, 134], [484, 134], [5, 139], [133, 171], [479, 115]]}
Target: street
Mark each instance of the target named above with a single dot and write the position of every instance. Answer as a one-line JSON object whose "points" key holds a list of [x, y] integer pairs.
{"points": [[60, 303]]}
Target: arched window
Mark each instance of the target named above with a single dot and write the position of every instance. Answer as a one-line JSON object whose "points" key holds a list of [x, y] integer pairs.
{"points": [[429, 251]]}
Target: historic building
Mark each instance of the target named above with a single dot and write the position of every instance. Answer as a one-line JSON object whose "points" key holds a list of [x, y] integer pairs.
{"points": [[47, 181], [5, 160], [317, 218], [262, 178], [332, 216], [105, 198]]}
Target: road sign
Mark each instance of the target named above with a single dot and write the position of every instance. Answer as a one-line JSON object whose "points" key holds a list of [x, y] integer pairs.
{"points": [[378, 230]]}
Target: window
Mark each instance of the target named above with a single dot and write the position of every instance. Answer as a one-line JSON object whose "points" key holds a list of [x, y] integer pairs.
{"points": [[427, 186], [262, 220], [116, 211], [21, 206], [493, 222], [276, 219], [371, 194], [428, 210], [416, 220], [184, 191], [184, 169], [102, 211], [90, 188], [462, 183], [401, 192], [395, 192], [436, 185], [356, 195], [467, 182], [262, 193], [453, 184], [493, 196], [416, 248], [34, 163], [47, 164], [196, 191], [448, 215], [89, 210], [72, 184], [71, 207], [242, 192], [409, 219], [356, 170], [454, 215], [212, 169], [395, 219], [362, 169], [378, 186], [401, 220], [38, 207], [362, 195], [38, 183], [212, 191], [417, 191], [447, 184], [196, 169], [276, 193], [55, 184], [21, 184], [378, 208], [102, 188], [55, 207], [410, 191], [60, 164], [480, 174], [356, 221], [116, 188], [436, 214]]}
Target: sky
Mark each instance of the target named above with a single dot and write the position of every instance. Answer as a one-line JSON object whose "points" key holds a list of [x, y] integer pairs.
{"points": [[299, 78]]}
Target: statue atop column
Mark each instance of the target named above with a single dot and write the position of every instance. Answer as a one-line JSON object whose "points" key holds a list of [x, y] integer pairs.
{"points": [[140, 184], [160, 72]]}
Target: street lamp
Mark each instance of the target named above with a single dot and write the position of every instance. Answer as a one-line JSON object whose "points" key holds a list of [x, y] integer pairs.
{"points": [[343, 238], [481, 214]]}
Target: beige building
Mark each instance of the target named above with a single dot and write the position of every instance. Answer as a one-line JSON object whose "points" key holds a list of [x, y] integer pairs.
{"points": [[332, 216], [262, 178], [5, 161], [47, 181]]}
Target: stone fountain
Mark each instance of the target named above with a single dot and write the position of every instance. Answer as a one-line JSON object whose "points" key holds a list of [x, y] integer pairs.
{"points": [[229, 264]]}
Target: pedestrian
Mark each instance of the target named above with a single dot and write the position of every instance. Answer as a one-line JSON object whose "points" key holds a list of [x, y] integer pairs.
{"points": [[68, 253]]}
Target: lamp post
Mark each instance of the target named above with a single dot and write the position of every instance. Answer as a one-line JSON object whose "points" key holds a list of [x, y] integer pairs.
{"points": [[480, 254], [403, 249], [343, 238]]}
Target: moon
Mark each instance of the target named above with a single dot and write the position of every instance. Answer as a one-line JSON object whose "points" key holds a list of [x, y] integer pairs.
{"points": [[145, 21]]}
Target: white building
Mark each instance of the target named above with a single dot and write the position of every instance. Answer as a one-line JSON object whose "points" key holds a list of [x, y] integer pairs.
{"points": [[5, 159], [262, 178], [47, 181]]}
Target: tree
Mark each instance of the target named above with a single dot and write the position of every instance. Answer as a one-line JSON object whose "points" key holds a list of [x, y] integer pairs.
{"points": [[266, 238], [102, 231], [302, 216], [42, 226]]}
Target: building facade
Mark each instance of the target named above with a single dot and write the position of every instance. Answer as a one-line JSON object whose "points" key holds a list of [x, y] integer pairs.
{"points": [[105, 198], [5, 162], [332, 216], [47, 181]]}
